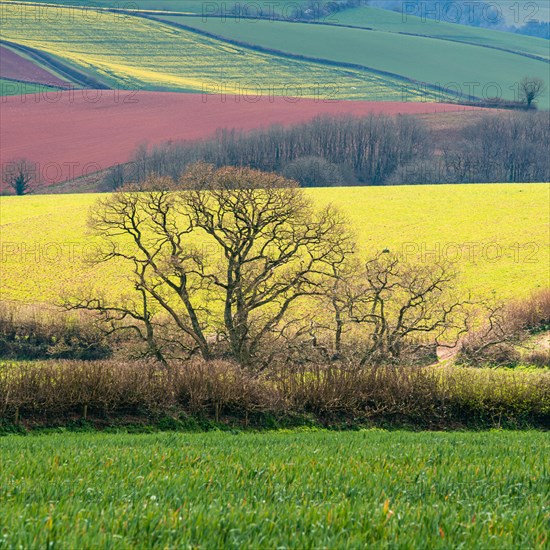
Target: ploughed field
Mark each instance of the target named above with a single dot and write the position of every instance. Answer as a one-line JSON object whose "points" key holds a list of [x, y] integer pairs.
{"points": [[496, 233], [276, 490], [16, 67], [80, 132]]}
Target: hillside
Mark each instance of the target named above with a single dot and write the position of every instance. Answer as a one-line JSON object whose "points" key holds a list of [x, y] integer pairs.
{"points": [[107, 126], [156, 56], [448, 58], [362, 53], [390, 21], [497, 233]]}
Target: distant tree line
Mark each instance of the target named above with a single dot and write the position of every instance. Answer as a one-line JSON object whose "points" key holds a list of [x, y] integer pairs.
{"points": [[510, 149], [314, 10], [538, 29], [491, 15], [374, 150], [325, 151]]}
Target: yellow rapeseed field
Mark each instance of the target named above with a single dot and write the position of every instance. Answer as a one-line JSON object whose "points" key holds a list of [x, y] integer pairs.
{"points": [[497, 233]]}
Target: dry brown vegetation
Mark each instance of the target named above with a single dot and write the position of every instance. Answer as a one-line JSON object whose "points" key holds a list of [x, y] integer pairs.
{"points": [[505, 332], [53, 392]]}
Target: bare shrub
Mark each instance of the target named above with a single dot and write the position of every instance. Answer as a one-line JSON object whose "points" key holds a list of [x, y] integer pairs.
{"points": [[503, 328], [220, 390], [537, 358], [41, 332]]}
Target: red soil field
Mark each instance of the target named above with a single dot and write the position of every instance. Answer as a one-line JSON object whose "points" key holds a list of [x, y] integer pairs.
{"points": [[15, 67], [74, 133]]}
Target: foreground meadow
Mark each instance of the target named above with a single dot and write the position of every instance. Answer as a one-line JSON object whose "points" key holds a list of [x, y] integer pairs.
{"points": [[496, 233], [275, 490]]}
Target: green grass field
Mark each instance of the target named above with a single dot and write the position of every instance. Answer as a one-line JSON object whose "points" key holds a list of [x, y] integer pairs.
{"points": [[390, 21], [275, 490], [137, 53], [497, 233], [514, 12], [449, 64]]}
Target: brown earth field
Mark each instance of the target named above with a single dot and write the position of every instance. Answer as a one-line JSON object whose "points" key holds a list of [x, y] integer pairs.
{"points": [[71, 134], [16, 67]]}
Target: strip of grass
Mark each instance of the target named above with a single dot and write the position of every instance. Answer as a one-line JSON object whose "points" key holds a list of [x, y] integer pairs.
{"points": [[14, 87], [276, 490], [181, 6]]}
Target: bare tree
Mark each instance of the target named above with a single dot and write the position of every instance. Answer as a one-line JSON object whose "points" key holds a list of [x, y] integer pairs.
{"points": [[313, 172], [114, 178], [275, 247], [19, 175], [145, 229], [501, 329], [225, 257], [530, 88], [402, 310]]}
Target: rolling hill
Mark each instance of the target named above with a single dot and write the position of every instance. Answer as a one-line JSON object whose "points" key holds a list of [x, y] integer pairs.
{"points": [[156, 56], [390, 21], [107, 126], [476, 62], [357, 54], [360, 53]]}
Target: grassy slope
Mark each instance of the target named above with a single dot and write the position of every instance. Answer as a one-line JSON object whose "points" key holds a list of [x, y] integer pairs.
{"points": [[148, 54], [12, 87], [504, 12], [44, 237], [442, 62], [285, 490], [385, 20], [508, 8]]}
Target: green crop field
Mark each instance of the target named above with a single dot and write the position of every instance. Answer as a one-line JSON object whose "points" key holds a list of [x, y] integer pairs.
{"points": [[152, 55], [498, 234], [447, 63], [275, 490], [156, 55]]}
